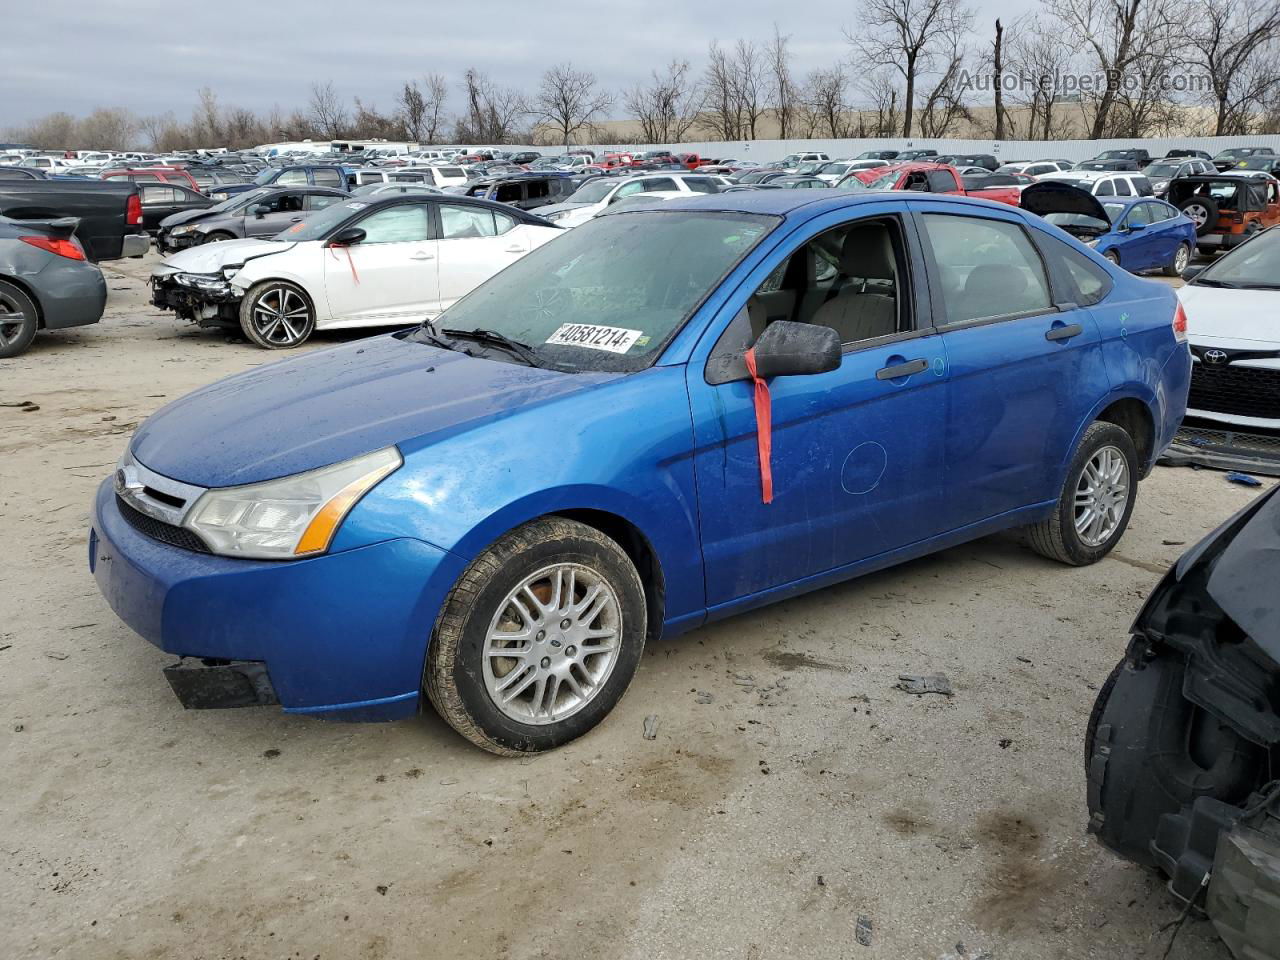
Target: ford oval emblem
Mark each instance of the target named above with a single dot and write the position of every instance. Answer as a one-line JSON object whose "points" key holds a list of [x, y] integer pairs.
{"points": [[1215, 356]]}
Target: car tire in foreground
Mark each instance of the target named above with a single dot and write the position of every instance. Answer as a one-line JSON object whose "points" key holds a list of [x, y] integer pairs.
{"points": [[1181, 257], [1096, 501], [18, 320], [218, 236], [538, 639], [277, 315]]}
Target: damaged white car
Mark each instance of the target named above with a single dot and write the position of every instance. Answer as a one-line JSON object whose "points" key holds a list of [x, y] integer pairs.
{"points": [[366, 262]]}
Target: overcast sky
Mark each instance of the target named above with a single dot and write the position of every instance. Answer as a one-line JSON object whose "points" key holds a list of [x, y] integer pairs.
{"points": [[152, 56]]}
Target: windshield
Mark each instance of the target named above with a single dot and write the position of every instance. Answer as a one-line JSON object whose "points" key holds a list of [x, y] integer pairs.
{"points": [[266, 175], [1161, 169], [1256, 163], [316, 225], [883, 182], [1256, 264], [593, 191], [610, 294]]}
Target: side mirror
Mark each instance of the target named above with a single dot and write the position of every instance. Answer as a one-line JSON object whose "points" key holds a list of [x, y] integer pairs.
{"points": [[1137, 226], [346, 237], [260, 210], [787, 348], [1193, 271]]}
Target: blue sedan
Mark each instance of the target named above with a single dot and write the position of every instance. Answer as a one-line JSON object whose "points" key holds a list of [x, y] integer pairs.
{"points": [[660, 419], [1137, 233]]}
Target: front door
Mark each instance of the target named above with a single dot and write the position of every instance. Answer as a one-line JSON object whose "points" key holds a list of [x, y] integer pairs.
{"points": [[278, 212], [390, 274], [856, 459]]}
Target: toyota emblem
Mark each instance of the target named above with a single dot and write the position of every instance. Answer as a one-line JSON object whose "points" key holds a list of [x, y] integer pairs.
{"points": [[1215, 356]]}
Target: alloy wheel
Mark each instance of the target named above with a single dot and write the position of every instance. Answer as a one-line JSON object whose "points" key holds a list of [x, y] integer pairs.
{"points": [[12, 320], [1102, 495], [280, 316], [1181, 257], [1197, 213], [552, 644]]}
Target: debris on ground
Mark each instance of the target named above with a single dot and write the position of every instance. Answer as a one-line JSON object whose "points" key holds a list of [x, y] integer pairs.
{"points": [[54, 655], [651, 727], [1244, 479], [862, 932], [703, 697], [1174, 543], [920, 684]]}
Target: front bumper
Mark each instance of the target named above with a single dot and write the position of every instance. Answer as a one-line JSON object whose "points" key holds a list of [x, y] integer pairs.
{"points": [[1225, 447], [206, 306], [342, 635]]}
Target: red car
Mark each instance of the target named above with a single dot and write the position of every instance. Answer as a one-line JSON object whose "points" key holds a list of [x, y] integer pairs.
{"points": [[154, 175], [925, 178]]}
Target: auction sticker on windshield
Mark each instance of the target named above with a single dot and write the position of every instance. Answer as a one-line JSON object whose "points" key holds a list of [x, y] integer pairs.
{"points": [[593, 337]]}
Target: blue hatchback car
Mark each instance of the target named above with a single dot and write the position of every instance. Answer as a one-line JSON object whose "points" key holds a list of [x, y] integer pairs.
{"points": [[660, 419], [1137, 233]]}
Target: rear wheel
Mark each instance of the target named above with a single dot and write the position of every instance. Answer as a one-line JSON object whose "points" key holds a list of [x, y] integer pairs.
{"points": [[538, 639], [277, 315], [1181, 257], [19, 320], [1096, 501]]}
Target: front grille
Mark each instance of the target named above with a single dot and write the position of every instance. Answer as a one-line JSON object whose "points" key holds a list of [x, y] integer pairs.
{"points": [[1236, 390], [159, 530]]}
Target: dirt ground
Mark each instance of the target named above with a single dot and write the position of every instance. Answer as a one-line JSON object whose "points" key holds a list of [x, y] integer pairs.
{"points": [[806, 791]]}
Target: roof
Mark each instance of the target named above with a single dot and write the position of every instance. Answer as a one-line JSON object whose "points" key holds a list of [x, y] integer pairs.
{"points": [[811, 203], [1090, 174]]}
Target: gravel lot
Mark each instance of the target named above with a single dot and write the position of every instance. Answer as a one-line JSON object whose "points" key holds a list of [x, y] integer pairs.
{"points": [[804, 793]]}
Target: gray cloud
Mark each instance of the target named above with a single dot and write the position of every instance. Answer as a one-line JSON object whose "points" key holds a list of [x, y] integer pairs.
{"points": [[151, 56]]}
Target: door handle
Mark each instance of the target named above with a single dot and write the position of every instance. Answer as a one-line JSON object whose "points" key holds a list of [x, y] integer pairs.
{"points": [[295, 219], [902, 369], [422, 256], [1064, 331], [515, 249]]}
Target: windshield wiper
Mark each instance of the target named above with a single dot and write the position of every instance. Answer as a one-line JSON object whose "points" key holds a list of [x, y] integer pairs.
{"points": [[1210, 282], [494, 338]]}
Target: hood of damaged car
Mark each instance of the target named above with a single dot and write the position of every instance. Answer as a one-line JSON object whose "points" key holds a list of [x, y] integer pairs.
{"points": [[1244, 578], [187, 216], [212, 257], [283, 418]]}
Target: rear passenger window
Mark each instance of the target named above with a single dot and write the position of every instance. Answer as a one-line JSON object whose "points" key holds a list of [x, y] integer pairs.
{"points": [[658, 184], [700, 184], [988, 268], [329, 178], [1090, 280], [1122, 188], [1105, 189]]}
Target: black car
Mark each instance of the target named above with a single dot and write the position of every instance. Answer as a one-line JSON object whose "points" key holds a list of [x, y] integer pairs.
{"points": [[21, 173], [161, 200], [1228, 158], [1269, 163], [1115, 164], [985, 160], [526, 192], [906, 156], [1137, 154], [878, 155], [1182, 750], [1178, 154], [526, 156]]}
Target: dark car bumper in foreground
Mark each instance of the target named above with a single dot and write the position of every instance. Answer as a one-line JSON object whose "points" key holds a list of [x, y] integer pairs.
{"points": [[342, 635]]}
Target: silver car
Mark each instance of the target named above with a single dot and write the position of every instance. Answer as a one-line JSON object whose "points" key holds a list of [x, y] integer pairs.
{"points": [[257, 213]]}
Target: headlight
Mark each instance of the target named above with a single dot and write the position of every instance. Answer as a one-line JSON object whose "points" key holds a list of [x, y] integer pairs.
{"points": [[219, 196], [558, 215], [291, 517], [179, 231], [1092, 243], [202, 281]]}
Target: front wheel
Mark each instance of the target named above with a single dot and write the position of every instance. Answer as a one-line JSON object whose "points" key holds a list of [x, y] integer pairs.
{"points": [[1181, 257], [1096, 501], [1113, 257], [277, 315], [218, 236], [538, 639]]}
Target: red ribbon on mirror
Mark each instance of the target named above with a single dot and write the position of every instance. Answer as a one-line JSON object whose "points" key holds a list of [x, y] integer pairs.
{"points": [[764, 428]]}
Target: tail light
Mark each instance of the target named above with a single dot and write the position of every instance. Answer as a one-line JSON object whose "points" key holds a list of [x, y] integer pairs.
{"points": [[133, 211], [59, 246], [1180, 324]]}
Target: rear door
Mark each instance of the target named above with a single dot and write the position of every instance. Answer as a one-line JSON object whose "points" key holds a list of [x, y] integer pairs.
{"points": [[1025, 361], [475, 243]]}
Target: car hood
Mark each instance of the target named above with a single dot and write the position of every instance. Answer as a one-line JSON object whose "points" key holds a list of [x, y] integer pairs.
{"points": [[1220, 314], [332, 405], [185, 216], [1048, 196], [212, 257], [558, 207]]}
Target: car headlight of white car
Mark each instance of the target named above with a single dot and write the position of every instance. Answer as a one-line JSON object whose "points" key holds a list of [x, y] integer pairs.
{"points": [[290, 517], [557, 215], [219, 196]]}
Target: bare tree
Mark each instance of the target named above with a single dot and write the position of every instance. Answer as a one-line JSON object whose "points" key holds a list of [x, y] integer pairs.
{"points": [[413, 110], [1233, 42], [1117, 36], [328, 112], [492, 112], [783, 95], [909, 36], [421, 109], [943, 104], [826, 101], [734, 90], [1037, 56], [997, 77], [667, 107], [568, 101], [155, 128]]}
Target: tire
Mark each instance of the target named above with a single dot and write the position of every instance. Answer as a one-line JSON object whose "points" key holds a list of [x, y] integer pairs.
{"points": [[277, 315], [1058, 537], [465, 686], [1181, 257], [16, 334], [217, 236], [1113, 257], [1154, 753], [1203, 212]]}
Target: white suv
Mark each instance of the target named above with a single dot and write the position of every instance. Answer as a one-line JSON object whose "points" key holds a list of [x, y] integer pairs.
{"points": [[1105, 183], [594, 195], [1036, 168]]}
